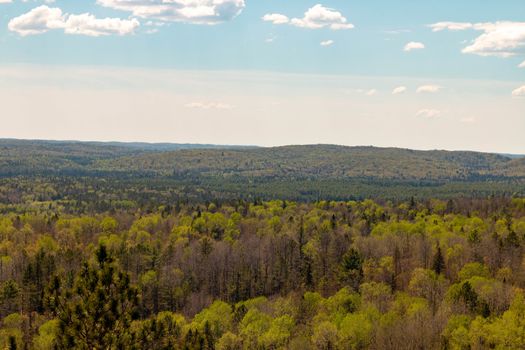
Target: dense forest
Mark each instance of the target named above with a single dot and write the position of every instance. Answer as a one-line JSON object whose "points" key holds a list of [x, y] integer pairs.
{"points": [[159, 174], [411, 274], [159, 246]]}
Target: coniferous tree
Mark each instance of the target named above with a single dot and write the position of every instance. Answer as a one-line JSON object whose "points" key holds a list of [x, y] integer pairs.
{"points": [[438, 264], [97, 311], [352, 267]]}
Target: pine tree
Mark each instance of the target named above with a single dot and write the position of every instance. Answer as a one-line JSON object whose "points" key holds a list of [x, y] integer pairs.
{"points": [[97, 311], [438, 265], [352, 267]]}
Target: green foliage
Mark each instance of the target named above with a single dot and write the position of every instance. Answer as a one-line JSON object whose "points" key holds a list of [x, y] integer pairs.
{"points": [[473, 270], [218, 317], [47, 336], [161, 332], [264, 275], [97, 311]]}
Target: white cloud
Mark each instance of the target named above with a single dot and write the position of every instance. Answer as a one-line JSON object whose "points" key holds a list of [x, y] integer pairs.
{"points": [[43, 18], [397, 31], [87, 24], [327, 43], [428, 113], [5, 1], [521, 65], [428, 88], [154, 24], [191, 11], [38, 20], [454, 26], [371, 92], [413, 46], [208, 105], [502, 39], [399, 90], [316, 17], [519, 92], [276, 18]]}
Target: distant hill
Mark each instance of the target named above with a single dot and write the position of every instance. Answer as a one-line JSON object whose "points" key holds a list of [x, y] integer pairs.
{"points": [[23, 156], [322, 161], [170, 172]]}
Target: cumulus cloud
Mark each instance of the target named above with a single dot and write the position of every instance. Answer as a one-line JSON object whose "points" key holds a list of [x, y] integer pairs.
{"points": [[502, 39], [87, 24], [327, 43], [316, 17], [428, 88], [275, 18], [371, 92], [428, 113], [38, 20], [43, 18], [5, 1], [519, 92], [190, 11], [399, 90], [521, 65], [413, 45], [208, 105]]}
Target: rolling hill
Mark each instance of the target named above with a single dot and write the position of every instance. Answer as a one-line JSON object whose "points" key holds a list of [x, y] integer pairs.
{"points": [[321, 161], [168, 172]]}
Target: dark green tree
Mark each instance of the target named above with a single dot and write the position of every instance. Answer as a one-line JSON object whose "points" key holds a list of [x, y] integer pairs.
{"points": [[438, 263], [469, 296], [97, 311], [9, 297], [352, 268]]}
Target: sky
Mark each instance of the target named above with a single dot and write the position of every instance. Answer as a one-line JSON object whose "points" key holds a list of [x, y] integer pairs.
{"points": [[433, 74]]}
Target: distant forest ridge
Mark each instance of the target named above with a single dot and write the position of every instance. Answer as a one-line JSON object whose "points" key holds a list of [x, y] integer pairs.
{"points": [[305, 161], [169, 172]]}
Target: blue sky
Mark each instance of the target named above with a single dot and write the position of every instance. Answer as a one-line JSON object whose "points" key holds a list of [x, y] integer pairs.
{"points": [[440, 74]]}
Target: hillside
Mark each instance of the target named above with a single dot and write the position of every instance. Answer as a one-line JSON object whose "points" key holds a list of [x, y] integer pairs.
{"points": [[309, 161], [43, 157], [164, 173], [322, 161]]}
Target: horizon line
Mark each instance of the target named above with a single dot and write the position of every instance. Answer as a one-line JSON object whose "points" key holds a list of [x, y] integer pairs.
{"points": [[218, 145]]}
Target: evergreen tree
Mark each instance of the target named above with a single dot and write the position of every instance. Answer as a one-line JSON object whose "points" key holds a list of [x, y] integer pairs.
{"points": [[97, 312], [352, 267], [438, 264]]}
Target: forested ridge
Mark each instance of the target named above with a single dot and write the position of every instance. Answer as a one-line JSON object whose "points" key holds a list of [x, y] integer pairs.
{"points": [[412, 274], [309, 161], [164, 173]]}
